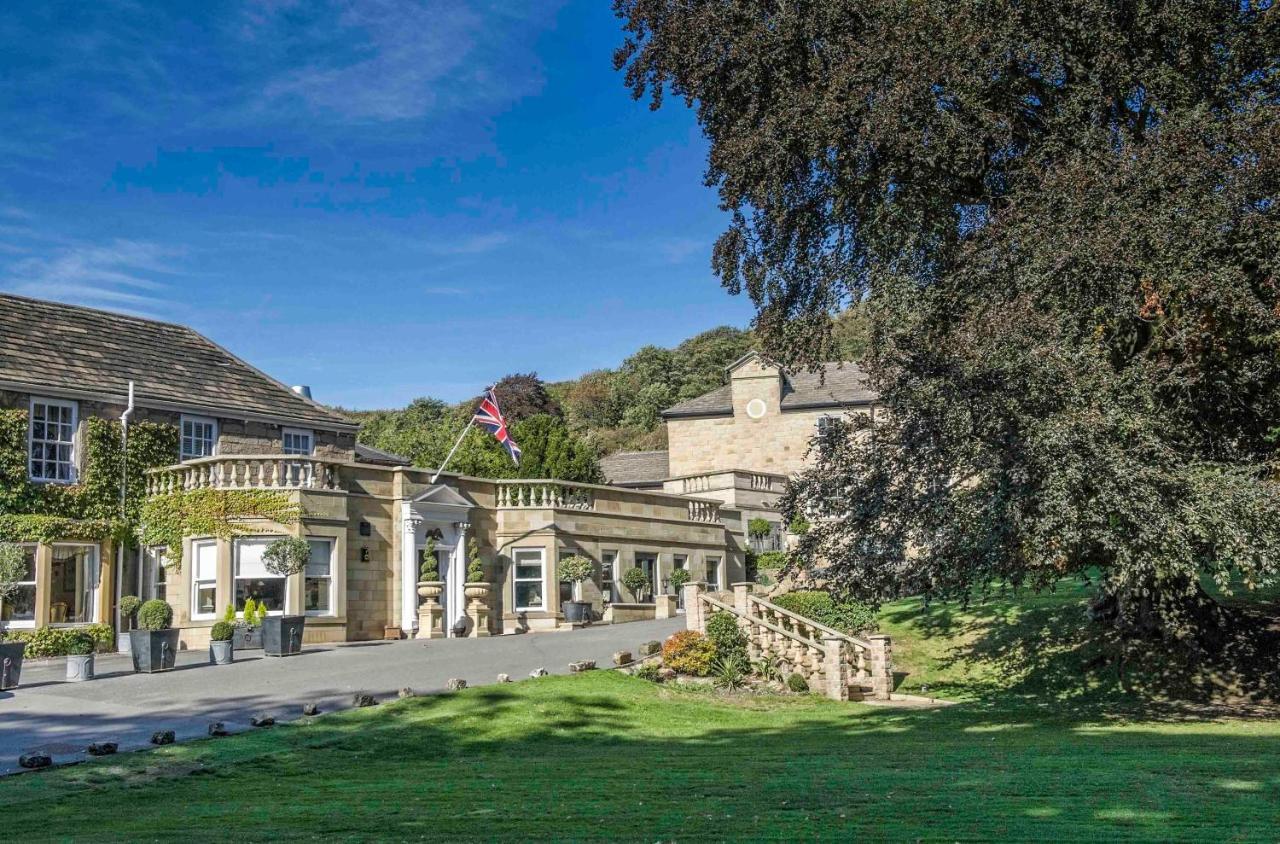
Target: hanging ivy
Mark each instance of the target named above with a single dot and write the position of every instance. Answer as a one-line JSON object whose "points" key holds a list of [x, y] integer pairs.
{"points": [[223, 513]]}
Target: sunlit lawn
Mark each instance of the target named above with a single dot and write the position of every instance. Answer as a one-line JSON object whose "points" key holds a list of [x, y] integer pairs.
{"points": [[609, 757]]}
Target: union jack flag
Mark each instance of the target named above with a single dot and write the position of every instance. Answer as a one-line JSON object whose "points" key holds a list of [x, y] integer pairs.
{"points": [[489, 417]]}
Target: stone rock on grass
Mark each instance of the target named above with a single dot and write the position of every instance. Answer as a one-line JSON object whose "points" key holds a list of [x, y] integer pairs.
{"points": [[650, 648], [622, 658], [102, 748], [455, 684], [32, 761], [406, 692], [218, 729], [582, 665], [262, 719], [666, 674], [362, 700], [538, 672], [504, 678], [310, 709], [162, 737]]}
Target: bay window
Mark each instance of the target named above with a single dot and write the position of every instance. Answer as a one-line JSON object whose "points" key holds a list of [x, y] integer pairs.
{"points": [[19, 609], [73, 584], [204, 580], [318, 586], [251, 578], [530, 571], [52, 441]]}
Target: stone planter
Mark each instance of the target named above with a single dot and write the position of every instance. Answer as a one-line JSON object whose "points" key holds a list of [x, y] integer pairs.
{"points": [[153, 650], [430, 589], [576, 612], [248, 638], [222, 653], [11, 664], [79, 667], [282, 634], [476, 591]]}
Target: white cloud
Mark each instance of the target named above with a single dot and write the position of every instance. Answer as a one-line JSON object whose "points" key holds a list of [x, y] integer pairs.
{"points": [[478, 244], [119, 275]]}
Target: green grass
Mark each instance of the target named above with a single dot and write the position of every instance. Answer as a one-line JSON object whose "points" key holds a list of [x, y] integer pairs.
{"points": [[1059, 737]]}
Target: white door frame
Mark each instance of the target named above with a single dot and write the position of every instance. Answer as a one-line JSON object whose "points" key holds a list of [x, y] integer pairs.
{"points": [[439, 508]]}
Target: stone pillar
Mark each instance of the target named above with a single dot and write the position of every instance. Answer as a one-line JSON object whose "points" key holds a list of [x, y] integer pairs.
{"points": [[740, 593], [478, 609], [881, 666], [664, 606], [695, 617], [836, 667]]}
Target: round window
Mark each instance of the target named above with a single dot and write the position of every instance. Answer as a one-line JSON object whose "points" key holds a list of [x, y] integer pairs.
{"points": [[755, 408]]}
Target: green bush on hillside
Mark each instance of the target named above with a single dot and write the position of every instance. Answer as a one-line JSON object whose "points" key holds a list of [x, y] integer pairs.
{"points": [[846, 616]]}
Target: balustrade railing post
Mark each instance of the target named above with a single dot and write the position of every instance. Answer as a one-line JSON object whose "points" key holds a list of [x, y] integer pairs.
{"points": [[881, 666], [695, 612]]}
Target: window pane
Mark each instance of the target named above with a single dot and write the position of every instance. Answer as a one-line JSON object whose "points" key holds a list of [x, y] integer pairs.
{"points": [[527, 572], [72, 581], [249, 558], [206, 600], [317, 590], [263, 590], [529, 595], [320, 563], [206, 561]]}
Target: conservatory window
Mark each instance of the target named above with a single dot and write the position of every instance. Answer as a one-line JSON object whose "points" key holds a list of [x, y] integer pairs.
{"points": [[19, 610]]}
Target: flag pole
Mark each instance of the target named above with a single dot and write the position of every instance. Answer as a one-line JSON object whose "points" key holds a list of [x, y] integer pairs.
{"points": [[452, 450]]}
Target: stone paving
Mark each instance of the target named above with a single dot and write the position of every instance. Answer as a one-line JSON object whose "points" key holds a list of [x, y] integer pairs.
{"points": [[47, 714]]}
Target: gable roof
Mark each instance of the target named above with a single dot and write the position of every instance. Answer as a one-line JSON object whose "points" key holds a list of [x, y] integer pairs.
{"points": [[629, 468], [84, 351], [834, 385], [368, 454]]}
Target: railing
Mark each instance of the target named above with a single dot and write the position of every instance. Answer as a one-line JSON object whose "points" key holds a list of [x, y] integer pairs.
{"points": [[544, 494], [273, 471], [704, 511], [829, 659], [756, 481]]}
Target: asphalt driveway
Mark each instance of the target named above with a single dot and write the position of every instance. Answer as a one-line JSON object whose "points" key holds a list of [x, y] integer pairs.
{"points": [[50, 715]]}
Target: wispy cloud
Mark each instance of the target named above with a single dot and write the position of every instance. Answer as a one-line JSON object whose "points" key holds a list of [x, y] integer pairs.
{"points": [[120, 275], [478, 244]]}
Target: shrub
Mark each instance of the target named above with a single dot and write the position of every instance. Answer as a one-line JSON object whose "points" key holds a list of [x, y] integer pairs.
{"points": [[797, 683], [80, 643], [155, 615], [679, 577], [574, 569], [129, 605], [799, 526], [689, 652], [636, 581], [475, 568], [222, 632], [847, 616], [769, 668], [726, 636], [429, 570], [759, 528], [771, 560], [250, 611], [648, 671], [56, 641], [729, 672], [229, 614], [13, 568], [287, 556]]}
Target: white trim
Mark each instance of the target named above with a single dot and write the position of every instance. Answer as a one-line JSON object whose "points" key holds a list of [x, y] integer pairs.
{"points": [[24, 623], [95, 577], [611, 568], [332, 542], [75, 437], [516, 580], [236, 542], [309, 433], [196, 615], [182, 435]]}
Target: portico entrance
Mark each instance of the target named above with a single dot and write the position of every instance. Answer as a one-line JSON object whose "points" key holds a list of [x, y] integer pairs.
{"points": [[442, 514]]}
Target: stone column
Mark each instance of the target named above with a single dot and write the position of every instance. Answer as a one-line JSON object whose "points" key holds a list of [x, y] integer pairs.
{"points": [[836, 667], [694, 612], [881, 666], [408, 569], [740, 593]]}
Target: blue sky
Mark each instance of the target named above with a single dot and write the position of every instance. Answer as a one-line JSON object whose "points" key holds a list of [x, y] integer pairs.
{"points": [[382, 199]]}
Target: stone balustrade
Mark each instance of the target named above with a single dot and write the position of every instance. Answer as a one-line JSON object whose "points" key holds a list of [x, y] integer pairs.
{"points": [[830, 660], [544, 495], [701, 510], [275, 471], [733, 479]]}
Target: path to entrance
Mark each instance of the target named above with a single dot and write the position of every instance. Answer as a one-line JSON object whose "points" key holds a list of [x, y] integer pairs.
{"points": [[62, 719]]}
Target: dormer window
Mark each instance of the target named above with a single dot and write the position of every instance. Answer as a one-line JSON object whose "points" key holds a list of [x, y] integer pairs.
{"points": [[53, 441], [199, 437], [297, 441]]}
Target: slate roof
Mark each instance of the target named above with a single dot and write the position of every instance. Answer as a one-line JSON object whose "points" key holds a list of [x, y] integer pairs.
{"points": [[631, 468], [369, 454], [837, 385], [93, 352]]}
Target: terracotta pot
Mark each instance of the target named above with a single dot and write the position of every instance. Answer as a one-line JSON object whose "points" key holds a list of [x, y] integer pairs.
{"points": [[430, 588]]}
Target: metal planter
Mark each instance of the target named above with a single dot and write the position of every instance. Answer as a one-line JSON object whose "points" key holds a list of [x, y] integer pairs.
{"points": [[11, 664], [79, 667], [576, 612], [222, 653], [248, 638], [282, 634], [153, 650]]}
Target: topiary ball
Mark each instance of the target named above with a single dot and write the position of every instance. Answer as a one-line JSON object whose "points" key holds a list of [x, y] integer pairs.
{"points": [[222, 632], [797, 683], [155, 615]]}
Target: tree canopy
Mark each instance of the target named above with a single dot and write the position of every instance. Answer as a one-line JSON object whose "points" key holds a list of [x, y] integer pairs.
{"points": [[1060, 222]]}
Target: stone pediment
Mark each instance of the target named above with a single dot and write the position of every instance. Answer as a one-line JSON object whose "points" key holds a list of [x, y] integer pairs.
{"points": [[442, 495]]}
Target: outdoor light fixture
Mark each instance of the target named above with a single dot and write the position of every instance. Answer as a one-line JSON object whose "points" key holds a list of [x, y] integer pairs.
{"points": [[364, 553], [366, 529]]}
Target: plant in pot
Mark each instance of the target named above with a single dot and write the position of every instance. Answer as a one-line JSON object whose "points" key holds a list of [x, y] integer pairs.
{"points": [[677, 580], [154, 644], [574, 570], [282, 634], [429, 583], [129, 605], [248, 635], [637, 582], [477, 586], [80, 647], [221, 645], [13, 570]]}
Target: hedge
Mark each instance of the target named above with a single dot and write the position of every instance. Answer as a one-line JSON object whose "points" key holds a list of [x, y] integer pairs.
{"points": [[850, 617], [57, 641]]}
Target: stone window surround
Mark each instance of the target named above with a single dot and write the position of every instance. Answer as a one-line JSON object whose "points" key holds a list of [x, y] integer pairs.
{"points": [[183, 437], [44, 552], [47, 402], [33, 584], [297, 434]]}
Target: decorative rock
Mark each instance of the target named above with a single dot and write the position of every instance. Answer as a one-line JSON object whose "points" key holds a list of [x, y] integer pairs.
{"points": [[362, 700], [504, 678], [538, 672], [310, 709], [406, 692], [650, 648], [666, 674], [102, 748], [217, 729], [455, 684], [622, 658], [163, 737], [582, 665], [34, 760], [262, 719]]}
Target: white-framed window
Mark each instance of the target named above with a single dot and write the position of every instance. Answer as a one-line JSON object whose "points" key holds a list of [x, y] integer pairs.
{"points": [[825, 424], [73, 584], [648, 563], [530, 578], [251, 578], [154, 575], [52, 441], [199, 437], [19, 610], [298, 441], [713, 574], [317, 589], [204, 580], [608, 573]]}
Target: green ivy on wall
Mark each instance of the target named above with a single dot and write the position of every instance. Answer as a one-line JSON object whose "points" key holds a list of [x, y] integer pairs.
{"points": [[166, 519]]}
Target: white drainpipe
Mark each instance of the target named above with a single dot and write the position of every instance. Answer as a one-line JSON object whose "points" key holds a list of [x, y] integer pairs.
{"points": [[124, 487]]}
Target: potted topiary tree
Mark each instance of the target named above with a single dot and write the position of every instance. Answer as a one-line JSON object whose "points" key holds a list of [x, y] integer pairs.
{"points": [[221, 644], [80, 647], [155, 644], [129, 605], [637, 582], [429, 583], [13, 570], [677, 580], [574, 570], [282, 634]]}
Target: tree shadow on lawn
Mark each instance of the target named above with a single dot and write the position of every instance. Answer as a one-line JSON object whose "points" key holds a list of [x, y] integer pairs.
{"points": [[622, 759]]}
